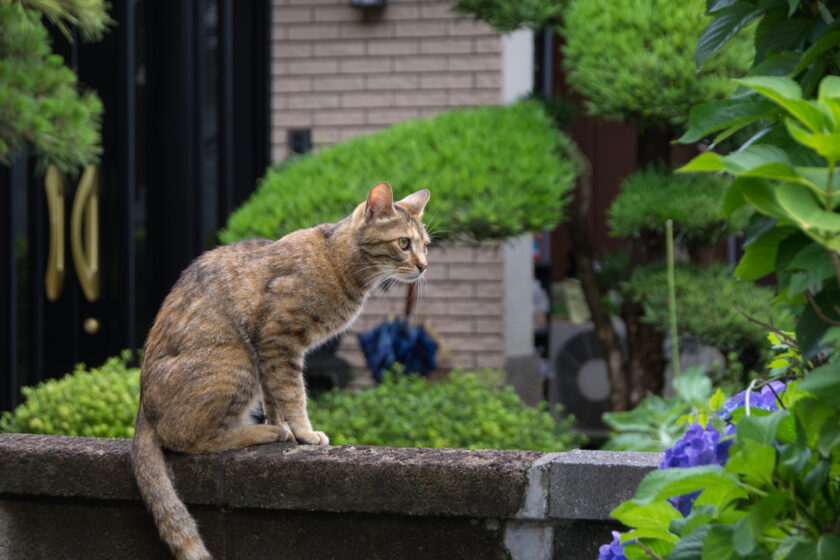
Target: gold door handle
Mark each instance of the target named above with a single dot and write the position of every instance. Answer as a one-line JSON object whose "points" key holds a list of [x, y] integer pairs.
{"points": [[86, 212], [54, 277]]}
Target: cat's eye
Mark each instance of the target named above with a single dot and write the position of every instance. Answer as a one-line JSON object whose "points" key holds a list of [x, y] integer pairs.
{"points": [[404, 243]]}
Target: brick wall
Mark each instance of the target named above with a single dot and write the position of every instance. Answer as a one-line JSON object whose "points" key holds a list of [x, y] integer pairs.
{"points": [[341, 71], [462, 301]]}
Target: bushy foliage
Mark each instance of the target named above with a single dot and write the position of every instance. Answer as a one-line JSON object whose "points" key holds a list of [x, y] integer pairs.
{"points": [[707, 296], [493, 172], [467, 410], [100, 402], [634, 60], [40, 105], [505, 16], [694, 202]]}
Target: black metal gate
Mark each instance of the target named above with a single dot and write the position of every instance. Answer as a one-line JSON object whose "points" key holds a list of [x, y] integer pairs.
{"points": [[86, 260]]}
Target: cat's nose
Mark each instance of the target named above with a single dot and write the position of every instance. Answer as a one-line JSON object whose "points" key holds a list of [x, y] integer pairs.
{"points": [[421, 267]]}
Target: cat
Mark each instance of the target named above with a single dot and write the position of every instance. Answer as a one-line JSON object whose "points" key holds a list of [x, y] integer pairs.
{"points": [[233, 332]]}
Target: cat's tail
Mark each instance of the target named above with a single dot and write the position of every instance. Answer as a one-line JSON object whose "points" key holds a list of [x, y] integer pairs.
{"points": [[176, 526]]}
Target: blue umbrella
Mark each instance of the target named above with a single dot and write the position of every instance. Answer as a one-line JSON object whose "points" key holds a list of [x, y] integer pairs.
{"points": [[396, 341]]}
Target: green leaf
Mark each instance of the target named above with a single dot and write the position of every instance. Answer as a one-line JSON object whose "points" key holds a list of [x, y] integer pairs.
{"points": [[760, 194], [828, 39], [750, 528], [787, 94], [816, 479], [777, 88], [829, 437], [666, 483], [690, 547], [754, 156], [706, 118], [827, 547], [724, 26], [759, 258], [824, 383], [718, 544], [811, 327], [655, 515], [752, 460], [707, 161], [760, 427], [800, 207]]}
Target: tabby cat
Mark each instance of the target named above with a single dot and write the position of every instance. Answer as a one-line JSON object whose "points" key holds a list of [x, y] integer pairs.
{"points": [[233, 332]]}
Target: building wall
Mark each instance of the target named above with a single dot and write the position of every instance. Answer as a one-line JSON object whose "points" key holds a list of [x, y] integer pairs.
{"points": [[342, 71]]}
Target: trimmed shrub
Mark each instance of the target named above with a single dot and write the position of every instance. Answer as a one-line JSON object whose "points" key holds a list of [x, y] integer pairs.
{"points": [[467, 410], [706, 298], [634, 60], [650, 197], [494, 172], [101, 402], [41, 108]]}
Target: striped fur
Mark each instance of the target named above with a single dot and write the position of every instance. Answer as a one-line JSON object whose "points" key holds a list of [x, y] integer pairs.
{"points": [[233, 333]]}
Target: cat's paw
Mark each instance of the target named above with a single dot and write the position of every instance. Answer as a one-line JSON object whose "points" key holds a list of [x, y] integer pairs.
{"points": [[285, 432], [313, 438]]}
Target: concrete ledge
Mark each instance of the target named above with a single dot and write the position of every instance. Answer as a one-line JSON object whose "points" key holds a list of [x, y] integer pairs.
{"points": [[355, 502]]}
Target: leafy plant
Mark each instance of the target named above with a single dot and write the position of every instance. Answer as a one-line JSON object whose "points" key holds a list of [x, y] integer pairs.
{"points": [[633, 60], [100, 402], [658, 422], [494, 172], [777, 494], [467, 410], [40, 105], [760, 481], [789, 178]]}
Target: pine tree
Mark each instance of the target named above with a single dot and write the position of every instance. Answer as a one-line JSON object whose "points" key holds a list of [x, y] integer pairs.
{"points": [[42, 109]]}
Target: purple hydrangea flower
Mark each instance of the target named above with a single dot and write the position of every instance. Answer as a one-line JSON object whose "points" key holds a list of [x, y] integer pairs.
{"points": [[765, 399], [708, 446], [612, 551]]}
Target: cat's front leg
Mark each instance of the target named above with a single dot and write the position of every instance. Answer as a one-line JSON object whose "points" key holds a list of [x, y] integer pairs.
{"points": [[284, 394]]}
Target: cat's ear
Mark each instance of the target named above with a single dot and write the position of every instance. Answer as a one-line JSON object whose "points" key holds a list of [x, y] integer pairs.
{"points": [[415, 203], [380, 202]]}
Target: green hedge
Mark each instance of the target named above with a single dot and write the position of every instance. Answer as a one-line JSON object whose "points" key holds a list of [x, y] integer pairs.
{"points": [[633, 60], [693, 201], [493, 172], [467, 410], [101, 402], [706, 298]]}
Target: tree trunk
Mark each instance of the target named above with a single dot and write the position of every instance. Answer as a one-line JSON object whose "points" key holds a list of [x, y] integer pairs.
{"points": [[646, 358], [610, 343]]}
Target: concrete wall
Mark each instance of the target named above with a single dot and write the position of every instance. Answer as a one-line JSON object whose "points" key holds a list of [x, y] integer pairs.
{"points": [[66, 497]]}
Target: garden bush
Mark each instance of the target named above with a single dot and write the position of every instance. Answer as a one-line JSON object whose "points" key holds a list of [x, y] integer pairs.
{"points": [[634, 60], [467, 410], [100, 402], [694, 202], [707, 296], [494, 172], [41, 107]]}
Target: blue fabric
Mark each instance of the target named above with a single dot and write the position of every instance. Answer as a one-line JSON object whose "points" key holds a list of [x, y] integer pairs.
{"points": [[398, 342]]}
